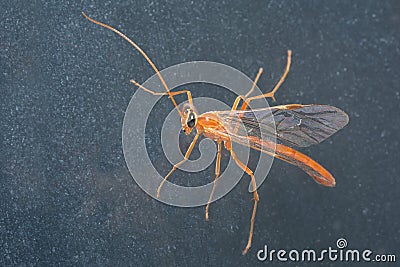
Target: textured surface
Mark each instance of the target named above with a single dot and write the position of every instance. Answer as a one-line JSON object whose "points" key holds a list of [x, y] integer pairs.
{"points": [[66, 195]]}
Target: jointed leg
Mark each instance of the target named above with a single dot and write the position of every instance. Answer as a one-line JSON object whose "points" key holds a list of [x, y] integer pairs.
{"points": [[217, 169], [247, 170], [273, 91], [271, 94], [140, 50], [163, 93], [179, 163], [256, 199], [237, 100]]}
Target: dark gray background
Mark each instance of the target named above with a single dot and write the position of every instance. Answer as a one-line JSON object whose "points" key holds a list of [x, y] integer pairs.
{"points": [[67, 197]]}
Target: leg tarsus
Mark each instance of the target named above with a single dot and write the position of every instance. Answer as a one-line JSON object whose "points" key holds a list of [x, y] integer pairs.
{"points": [[253, 216], [256, 198], [162, 93], [244, 97], [260, 71], [217, 170], [271, 94], [187, 154]]}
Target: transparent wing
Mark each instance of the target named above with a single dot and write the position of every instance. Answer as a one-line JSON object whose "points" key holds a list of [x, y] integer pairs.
{"points": [[295, 125]]}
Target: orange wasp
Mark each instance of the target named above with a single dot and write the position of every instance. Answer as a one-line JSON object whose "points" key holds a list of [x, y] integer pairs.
{"points": [[295, 125]]}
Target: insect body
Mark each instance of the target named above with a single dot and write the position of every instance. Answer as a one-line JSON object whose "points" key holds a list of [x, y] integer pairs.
{"points": [[295, 125]]}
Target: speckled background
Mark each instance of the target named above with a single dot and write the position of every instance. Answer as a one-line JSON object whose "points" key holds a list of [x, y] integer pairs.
{"points": [[67, 197]]}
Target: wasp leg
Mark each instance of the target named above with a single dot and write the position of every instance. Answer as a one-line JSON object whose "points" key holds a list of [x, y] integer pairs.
{"points": [[217, 170]]}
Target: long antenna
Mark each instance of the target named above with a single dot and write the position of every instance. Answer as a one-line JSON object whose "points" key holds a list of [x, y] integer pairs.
{"points": [[141, 52]]}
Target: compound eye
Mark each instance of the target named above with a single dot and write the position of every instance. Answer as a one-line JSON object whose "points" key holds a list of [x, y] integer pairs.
{"points": [[191, 122]]}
